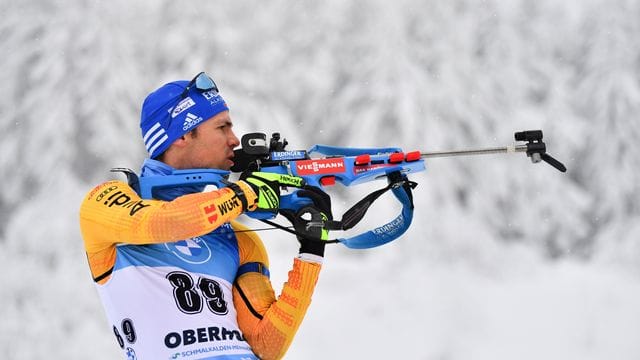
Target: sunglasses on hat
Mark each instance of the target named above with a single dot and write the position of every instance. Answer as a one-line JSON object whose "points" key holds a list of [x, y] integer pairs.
{"points": [[202, 82]]}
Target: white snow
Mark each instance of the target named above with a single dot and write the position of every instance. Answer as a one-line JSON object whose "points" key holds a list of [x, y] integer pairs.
{"points": [[505, 259]]}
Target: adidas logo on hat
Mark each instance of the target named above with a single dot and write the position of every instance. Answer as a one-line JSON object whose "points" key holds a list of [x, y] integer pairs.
{"points": [[190, 121]]}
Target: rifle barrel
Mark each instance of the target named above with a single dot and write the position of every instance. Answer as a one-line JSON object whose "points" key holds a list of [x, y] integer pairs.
{"points": [[495, 150]]}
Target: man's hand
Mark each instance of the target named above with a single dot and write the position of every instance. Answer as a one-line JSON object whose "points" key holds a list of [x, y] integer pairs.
{"points": [[267, 188], [310, 221]]}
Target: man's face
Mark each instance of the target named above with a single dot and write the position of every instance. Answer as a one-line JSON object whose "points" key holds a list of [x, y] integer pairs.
{"points": [[213, 145]]}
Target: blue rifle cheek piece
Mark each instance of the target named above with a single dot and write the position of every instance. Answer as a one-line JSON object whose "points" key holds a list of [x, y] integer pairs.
{"points": [[385, 233], [191, 177]]}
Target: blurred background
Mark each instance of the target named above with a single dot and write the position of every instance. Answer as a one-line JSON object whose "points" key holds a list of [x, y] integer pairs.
{"points": [[505, 259]]}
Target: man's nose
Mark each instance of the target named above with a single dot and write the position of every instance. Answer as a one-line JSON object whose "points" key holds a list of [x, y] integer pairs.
{"points": [[233, 140]]}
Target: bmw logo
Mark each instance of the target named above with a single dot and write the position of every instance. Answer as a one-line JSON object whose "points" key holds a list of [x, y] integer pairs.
{"points": [[192, 251]]}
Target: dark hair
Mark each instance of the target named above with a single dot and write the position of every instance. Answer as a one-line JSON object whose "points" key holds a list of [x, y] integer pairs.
{"points": [[193, 133]]}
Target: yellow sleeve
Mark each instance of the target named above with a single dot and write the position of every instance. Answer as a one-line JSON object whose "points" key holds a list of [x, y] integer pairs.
{"points": [[269, 324], [113, 213]]}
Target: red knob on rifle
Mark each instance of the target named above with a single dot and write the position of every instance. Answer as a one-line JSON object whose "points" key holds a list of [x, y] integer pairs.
{"points": [[413, 156], [396, 158], [363, 159]]}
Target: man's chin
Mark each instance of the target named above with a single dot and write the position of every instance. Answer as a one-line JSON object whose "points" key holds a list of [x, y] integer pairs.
{"points": [[227, 165]]}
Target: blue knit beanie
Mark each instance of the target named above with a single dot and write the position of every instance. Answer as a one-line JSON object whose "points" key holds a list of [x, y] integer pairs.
{"points": [[166, 116]]}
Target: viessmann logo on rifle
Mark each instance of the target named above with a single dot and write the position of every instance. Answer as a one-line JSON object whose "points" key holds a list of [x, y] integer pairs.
{"points": [[321, 166]]}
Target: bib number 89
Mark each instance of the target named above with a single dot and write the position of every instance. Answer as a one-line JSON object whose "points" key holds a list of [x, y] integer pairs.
{"points": [[190, 296]]}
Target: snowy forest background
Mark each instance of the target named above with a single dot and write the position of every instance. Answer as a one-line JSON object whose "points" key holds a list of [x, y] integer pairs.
{"points": [[505, 260]]}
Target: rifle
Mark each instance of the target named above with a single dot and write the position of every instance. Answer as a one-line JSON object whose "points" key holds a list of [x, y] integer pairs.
{"points": [[348, 166]]}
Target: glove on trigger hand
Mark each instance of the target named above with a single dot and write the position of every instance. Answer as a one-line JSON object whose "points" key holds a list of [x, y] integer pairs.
{"points": [[309, 224], [267, 188]]}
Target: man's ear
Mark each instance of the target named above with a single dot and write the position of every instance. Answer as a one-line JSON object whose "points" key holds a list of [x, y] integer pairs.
{"points": [[181, 141]]}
